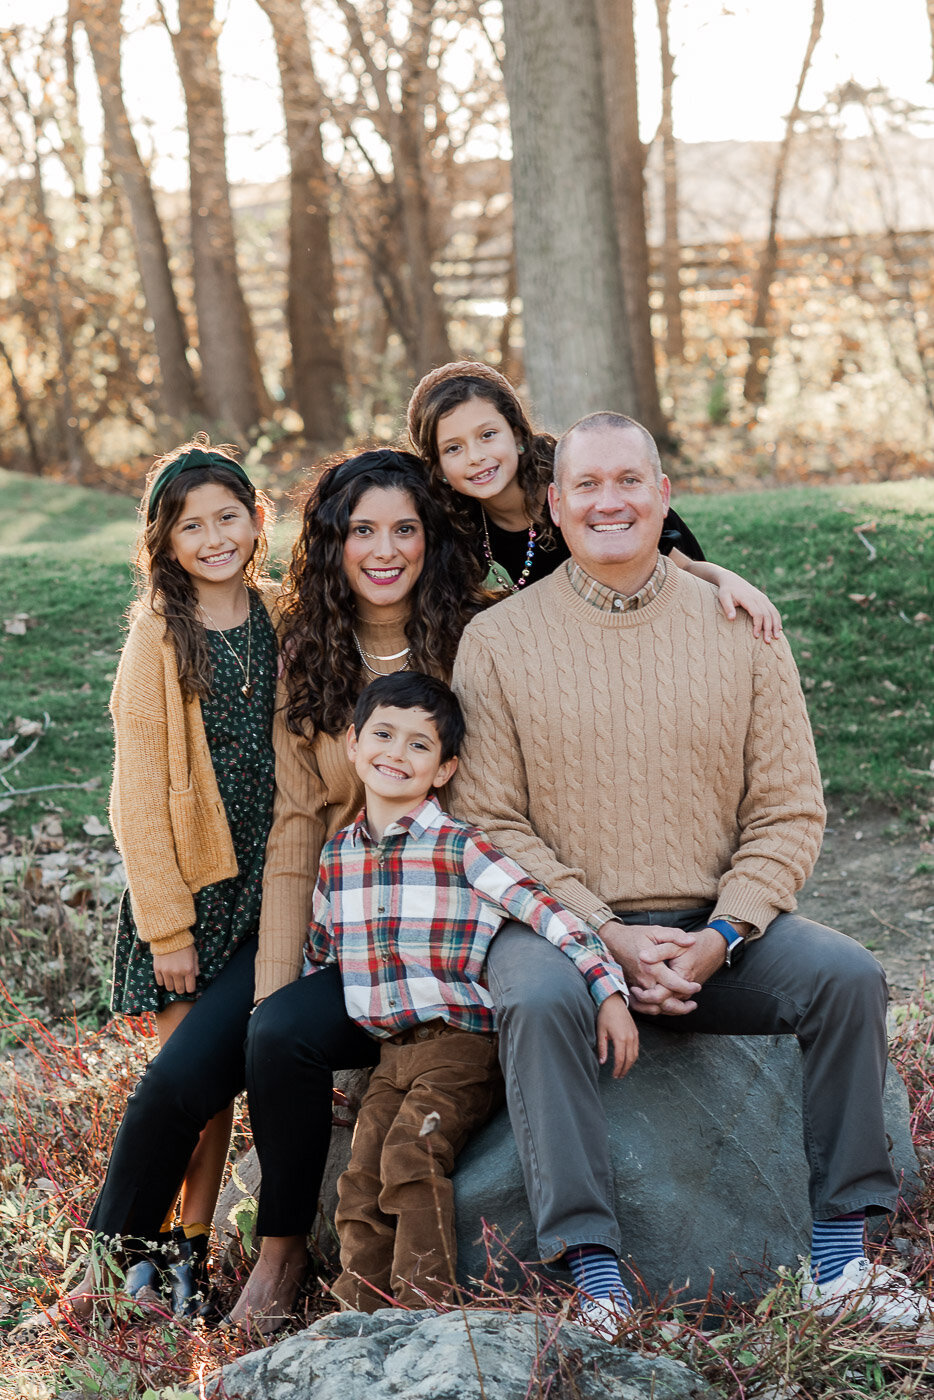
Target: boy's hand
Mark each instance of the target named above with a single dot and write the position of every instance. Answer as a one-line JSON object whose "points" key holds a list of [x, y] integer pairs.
{"points": [[615, 1026], [177, 972]]}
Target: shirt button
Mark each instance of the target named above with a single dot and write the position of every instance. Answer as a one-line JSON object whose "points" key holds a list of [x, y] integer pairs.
{"points": [[381, 909], [617, 602]]}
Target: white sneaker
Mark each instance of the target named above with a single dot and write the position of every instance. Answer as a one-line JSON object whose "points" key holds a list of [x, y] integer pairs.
{"points": [[870, 1289], [602, 1317]]}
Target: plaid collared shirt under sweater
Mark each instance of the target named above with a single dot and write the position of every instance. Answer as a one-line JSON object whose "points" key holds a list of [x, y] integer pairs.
{"points": [[409, 920]]}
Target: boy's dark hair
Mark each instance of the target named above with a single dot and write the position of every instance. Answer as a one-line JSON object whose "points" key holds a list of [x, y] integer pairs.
{"points": [[410, 690]]}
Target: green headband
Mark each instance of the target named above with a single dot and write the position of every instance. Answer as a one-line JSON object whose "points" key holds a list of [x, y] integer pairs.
{"points": [[187, 462]]}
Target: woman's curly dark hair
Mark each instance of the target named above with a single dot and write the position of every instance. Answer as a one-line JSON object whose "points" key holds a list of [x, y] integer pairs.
{"points": [[323, 671], [161, 582], [441, 391]]}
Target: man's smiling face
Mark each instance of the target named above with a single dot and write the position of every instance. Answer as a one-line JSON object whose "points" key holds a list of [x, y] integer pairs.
{"points": [[610, 505]]}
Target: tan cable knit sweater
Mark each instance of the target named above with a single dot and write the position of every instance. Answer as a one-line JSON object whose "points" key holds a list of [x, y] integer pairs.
{"points": [[654, 759], [165, 808], [317, 792]]}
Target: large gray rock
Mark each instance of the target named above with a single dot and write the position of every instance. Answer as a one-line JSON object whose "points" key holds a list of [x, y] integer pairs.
{"points": [[397, 1355], [710, 1173], [706, 1143]]}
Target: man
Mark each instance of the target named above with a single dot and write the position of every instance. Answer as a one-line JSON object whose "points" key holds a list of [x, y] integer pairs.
{"points": [[652, 764]]}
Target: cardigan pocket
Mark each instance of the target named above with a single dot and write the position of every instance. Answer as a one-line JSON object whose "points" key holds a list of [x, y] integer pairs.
{"points": [[187, 829]]}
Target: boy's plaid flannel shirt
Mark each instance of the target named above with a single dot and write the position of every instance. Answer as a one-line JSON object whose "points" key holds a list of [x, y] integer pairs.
{"points": [[409, 920]]}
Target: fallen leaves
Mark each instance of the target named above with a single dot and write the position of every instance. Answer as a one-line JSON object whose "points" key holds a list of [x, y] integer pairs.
{"points": [[19, 624]]}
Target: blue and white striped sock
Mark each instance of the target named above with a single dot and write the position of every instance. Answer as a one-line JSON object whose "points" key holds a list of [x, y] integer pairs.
{"points": [[596, 1273], [834, 1243]]}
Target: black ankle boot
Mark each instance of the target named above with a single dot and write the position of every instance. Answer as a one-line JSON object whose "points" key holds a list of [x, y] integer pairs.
{"points": [[145, 1270], [187, 1276]]}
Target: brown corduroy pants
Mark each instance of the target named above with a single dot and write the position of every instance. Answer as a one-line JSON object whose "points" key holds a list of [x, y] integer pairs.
{"points": [[395, 1213]]}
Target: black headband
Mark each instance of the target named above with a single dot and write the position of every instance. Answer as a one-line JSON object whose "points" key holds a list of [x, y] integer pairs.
{"points": [[187, 462]]}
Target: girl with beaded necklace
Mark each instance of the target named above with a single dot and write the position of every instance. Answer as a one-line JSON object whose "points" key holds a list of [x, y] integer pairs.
{"points": [[467, 423], [191, 808]]}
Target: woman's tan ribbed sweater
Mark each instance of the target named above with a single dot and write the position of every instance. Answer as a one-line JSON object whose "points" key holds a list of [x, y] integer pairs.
{"points": [[317, 792], [659, 758], [165, 808]]}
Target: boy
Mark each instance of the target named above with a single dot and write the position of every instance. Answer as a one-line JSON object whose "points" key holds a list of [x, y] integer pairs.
{"points": [[407, 902]]}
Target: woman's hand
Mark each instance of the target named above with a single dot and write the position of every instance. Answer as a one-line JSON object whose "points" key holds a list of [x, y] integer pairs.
{"points": [[616, 1027], [177, 972], [735, 592]]}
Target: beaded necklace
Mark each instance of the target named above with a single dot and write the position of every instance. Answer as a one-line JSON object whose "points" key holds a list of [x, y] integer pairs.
{"points": [[497, 570]]}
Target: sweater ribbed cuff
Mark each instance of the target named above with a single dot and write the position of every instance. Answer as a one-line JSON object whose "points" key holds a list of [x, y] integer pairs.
{"points": [[171, 943], [748, 905]]}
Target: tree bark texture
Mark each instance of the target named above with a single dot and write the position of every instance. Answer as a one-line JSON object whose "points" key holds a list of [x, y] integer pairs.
{"points": [[671, 245], [760, 340], [627, 174], [22, 412], [577, 347], [179, 392], [318, 374], [66, 414], [230, 374]]}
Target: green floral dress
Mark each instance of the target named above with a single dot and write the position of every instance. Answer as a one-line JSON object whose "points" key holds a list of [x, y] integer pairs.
{"points": [[239, 735]]}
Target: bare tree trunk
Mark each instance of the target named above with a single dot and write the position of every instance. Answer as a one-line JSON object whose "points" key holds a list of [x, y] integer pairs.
{"points": [[230, 375], [409, 291], [318, 374], [507, 359], [578, 355], [671, 246], [22, 412], [415, 206], [760, 341], [627, 173], [432, 346], [178, 389], [65, 410]]}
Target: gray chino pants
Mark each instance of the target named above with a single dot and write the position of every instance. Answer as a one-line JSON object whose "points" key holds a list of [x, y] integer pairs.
{"points": [[800, 979]]}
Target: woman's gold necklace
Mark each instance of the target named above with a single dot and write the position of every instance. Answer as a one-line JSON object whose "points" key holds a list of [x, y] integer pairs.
{"points": [[376, 657], [247, 688]]}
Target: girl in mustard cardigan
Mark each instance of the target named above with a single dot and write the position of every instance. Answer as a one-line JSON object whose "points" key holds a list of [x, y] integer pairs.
{"points": [[191, 807]]}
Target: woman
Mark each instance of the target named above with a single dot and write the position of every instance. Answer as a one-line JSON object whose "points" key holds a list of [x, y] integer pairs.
{"points": [[466, 421], [378, 583]]}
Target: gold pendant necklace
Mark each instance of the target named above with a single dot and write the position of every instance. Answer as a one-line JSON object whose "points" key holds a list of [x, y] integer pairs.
{"points": [[247, 688]]}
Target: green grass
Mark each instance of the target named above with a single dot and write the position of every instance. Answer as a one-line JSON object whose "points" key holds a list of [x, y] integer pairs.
{"points": [[862, 629], [64, 560]]}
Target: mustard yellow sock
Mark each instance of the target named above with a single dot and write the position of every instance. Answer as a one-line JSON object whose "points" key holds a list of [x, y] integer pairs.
{"points": [[198, 1228]]}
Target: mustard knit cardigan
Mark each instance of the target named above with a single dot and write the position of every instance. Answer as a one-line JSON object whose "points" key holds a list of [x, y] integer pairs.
{"points": [[165, 808]]}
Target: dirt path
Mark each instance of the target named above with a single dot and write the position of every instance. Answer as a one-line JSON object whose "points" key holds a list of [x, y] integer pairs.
{"points": [[876, 883]]}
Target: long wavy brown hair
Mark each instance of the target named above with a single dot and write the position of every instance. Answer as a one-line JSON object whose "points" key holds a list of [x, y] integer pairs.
{"points": [[163, 585], [440, 392], [323, 671]]}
